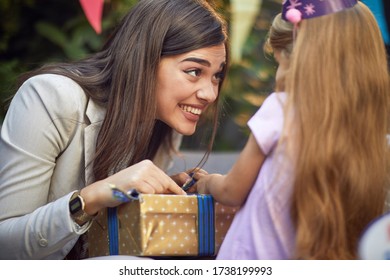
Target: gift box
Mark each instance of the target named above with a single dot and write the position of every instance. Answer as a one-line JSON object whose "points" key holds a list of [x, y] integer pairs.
{"points": [[161, 226]]}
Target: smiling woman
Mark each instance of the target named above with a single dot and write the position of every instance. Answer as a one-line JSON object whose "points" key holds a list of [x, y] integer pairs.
{"points": [[76, 131], [197, 75]]}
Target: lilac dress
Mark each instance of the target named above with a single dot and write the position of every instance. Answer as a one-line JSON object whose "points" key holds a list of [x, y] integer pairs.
{"points": [[262, 228]]}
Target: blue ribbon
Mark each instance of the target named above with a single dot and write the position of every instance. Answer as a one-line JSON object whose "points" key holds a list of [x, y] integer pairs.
{"points": [[113, 236], [206, 229]]}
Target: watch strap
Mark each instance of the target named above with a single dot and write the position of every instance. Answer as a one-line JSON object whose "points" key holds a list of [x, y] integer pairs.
{"points": [[76, 208]]}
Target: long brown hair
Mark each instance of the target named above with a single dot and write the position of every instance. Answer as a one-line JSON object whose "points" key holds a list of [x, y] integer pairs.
{"points": [[122, 76], [338, 92]]}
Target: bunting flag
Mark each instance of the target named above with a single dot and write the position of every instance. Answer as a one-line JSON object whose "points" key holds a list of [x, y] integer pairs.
{"points": [[93, 10]]}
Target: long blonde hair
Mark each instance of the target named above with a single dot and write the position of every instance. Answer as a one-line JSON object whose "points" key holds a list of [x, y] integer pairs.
{"points": [[338, 93]]}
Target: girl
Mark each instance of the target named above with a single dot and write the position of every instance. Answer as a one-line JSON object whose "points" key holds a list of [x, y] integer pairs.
{"points": [[314, 171]]}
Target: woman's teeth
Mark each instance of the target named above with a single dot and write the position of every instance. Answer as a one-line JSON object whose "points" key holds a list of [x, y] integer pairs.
{"points": [[195, 111]]}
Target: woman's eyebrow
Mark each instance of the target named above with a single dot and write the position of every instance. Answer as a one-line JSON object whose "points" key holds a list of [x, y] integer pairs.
{"points": [[198, 60], [202, 61]]}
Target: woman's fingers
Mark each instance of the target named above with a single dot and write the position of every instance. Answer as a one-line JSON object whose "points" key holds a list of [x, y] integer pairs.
{"points": [[146, 177], [174, 188], [162, 183]]}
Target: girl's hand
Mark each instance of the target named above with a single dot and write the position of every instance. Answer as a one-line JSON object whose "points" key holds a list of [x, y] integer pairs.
{"points": [[204, 182], [185, 178]]}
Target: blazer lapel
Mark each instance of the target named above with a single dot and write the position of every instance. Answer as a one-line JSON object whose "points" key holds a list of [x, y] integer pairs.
{"points": [[95, 114]]}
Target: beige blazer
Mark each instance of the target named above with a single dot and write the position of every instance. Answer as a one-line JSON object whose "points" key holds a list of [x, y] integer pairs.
{"points": [[47, 140]]}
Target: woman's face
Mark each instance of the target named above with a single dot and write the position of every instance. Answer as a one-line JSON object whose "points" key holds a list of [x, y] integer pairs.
{"points": [[187, 84]]}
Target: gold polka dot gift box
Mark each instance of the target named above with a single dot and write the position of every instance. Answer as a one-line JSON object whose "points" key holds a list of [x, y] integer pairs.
{"points": [[161, 226]]}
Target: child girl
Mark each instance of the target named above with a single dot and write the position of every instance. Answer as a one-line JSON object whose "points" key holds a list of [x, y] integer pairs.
{"points": [[314, 171]]}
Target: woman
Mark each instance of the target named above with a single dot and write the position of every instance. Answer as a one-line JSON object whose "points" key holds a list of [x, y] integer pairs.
{"points": [[77, 133]]}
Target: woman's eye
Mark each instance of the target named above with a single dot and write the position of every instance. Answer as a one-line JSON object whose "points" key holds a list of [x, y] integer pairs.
{"points": [[219, 77], [194, 72]]}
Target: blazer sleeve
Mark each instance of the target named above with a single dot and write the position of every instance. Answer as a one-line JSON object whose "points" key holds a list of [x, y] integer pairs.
{"points": [[41, 118]]}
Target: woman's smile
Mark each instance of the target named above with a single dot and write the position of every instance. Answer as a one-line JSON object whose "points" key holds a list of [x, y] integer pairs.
{"points": [[191, 113]]}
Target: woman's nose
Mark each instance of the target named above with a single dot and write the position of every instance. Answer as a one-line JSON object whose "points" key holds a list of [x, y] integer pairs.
{"points": [[208, 92]]}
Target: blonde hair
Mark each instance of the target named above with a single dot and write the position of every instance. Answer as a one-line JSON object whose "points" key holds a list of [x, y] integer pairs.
{"points": [[338, 88]]}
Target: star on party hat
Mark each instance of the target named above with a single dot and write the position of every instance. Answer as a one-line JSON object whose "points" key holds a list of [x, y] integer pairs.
{"points": [[296, 10]]}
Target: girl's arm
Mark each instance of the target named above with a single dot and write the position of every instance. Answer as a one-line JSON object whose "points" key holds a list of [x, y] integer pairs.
{"points": [[233, 188]]}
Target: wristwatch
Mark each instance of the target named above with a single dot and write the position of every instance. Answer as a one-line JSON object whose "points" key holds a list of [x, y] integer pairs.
{"points": [[76, 208]]}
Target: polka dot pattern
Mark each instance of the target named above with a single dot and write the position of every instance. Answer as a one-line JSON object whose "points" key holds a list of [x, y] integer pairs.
{"points": [[158, 225]]}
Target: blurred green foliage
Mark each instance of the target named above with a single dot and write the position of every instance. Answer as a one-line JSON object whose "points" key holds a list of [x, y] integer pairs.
{"points": [[34, 32]]}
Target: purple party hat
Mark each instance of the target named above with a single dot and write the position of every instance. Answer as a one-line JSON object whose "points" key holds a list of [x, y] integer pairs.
{"points": [[296, 10]]}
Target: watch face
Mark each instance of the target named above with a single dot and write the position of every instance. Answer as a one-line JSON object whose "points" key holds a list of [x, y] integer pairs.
{"points": [[75, 205], [76, 208]]}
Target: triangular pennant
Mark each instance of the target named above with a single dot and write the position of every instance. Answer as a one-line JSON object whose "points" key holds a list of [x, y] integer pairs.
{"points": [[93, 10]]}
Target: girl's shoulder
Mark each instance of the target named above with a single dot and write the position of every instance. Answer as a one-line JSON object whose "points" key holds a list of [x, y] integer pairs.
{"points": [[276, 99], [272, 104]]}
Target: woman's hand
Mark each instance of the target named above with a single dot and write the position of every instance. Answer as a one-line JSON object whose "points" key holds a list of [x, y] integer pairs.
{"points": [[144, 176]]}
